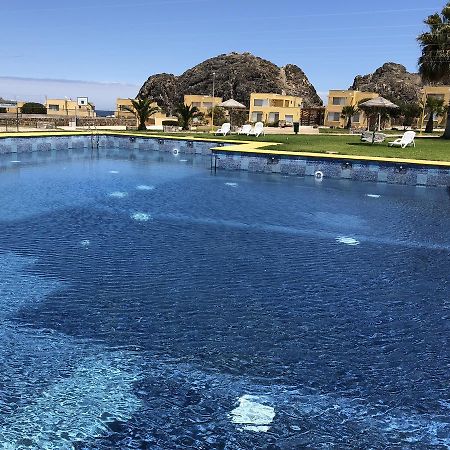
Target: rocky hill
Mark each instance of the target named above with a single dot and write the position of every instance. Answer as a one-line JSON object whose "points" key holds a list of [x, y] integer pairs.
{"points": [[392, 81], [237, 76]]}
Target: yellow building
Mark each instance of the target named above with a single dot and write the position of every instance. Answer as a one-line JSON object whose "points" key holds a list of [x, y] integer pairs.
{"points": [[10, 106], [204, 103], [274, 108], [336, 102], [440, 92], [67, 107], [122, 105]]}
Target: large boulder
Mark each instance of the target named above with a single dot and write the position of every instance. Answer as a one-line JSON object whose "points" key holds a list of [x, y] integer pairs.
{"points": [[237, 76], [391, 81]]}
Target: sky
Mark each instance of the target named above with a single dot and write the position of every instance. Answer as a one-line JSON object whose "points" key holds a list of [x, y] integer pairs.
{"points": [[105, 49]]}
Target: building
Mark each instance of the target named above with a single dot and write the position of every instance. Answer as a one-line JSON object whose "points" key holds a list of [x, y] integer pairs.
{"points": [[10, 106], [68, 107], [122, 105], [440, 92], [156, 120], [204, 103], [336, 102], [274, 108]]}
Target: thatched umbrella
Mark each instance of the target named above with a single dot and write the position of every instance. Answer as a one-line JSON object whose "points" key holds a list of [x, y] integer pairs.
{"points": [[230, 105], [378, 104]]}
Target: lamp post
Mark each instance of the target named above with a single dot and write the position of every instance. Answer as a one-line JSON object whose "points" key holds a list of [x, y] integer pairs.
{"points": [[213, 106]]}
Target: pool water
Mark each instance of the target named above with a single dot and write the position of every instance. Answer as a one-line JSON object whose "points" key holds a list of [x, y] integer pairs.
{"points": [[147, 303]]}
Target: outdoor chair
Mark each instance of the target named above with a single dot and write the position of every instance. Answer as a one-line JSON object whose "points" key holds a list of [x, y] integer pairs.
{"points": [[257, 130], [224, 129], [405, 140], [368, 137], [245, 129]]}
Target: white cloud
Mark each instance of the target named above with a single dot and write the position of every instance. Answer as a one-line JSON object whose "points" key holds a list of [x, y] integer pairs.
{"points": [[102, 94]]}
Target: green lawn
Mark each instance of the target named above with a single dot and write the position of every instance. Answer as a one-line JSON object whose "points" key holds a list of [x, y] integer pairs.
{"points": [[426, 148]]}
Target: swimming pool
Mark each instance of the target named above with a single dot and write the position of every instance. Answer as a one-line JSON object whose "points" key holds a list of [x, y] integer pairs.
{"points": [[147, 303]]}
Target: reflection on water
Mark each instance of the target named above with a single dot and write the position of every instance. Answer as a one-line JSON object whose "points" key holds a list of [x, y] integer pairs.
{"points": [[146, 304]]}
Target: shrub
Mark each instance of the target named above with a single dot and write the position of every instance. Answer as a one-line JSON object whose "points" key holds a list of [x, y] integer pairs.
{"points": [[33, 108], [169, 123]]}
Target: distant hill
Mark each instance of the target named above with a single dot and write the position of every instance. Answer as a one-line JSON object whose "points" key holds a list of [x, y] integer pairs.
{"points": [[237, 76], [391, 81]]}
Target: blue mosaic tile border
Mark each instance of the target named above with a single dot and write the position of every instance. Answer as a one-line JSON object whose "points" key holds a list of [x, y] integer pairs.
{"points": [[286, 165], [351, 170]]}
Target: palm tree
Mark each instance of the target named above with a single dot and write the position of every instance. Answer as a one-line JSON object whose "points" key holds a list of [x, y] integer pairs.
{"points": [[347, 113], [434, 64], [185, 114], [142, 108], [434, 106]]}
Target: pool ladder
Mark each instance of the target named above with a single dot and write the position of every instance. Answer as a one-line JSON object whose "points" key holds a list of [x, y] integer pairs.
{"points": [[95, 137]]}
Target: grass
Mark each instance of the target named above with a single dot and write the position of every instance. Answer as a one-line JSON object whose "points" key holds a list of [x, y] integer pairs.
{"points": [[434, 149], [398, 132]]}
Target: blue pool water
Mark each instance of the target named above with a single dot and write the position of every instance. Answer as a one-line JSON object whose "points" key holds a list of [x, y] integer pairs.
{"points": [[146, 303]]}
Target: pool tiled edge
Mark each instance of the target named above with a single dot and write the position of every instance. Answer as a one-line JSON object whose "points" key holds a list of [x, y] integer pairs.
{"points": [[243, 155], [376, 169]]}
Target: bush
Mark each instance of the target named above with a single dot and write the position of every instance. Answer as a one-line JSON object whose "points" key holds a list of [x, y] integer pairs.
{"points": [[170, 123], [33, 108]]}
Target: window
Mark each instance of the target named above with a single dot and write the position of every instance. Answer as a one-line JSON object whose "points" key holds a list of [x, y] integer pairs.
{"points": [[257, 116], [207, 105], [334, 117], [273, 117], [355, 118], [338, 101], [289, 119], [277, 103], [436, 96], [196, 104], [260, 102], [53, 107]]}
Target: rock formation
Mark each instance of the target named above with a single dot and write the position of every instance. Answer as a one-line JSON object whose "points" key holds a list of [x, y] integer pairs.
{"points": [[237, 76], [391, 81]]}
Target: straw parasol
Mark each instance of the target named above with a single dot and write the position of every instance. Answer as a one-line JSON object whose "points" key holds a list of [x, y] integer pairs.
{"points": [[230, 105], [378, 104]]}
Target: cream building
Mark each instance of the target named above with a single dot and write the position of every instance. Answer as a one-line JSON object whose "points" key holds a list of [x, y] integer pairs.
{"points": [[122, 105], [204, 103], [441, 92], [336, 102], [68, 107], [274, 108]]}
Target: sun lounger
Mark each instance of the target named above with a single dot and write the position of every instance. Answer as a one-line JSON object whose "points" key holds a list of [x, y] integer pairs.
{"points": [[368, 136], [405, 140], [257, 130], [224, 129], [245, 129]]}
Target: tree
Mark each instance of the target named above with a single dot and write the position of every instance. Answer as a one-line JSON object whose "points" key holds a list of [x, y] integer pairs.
{"points": [[185, 114], [142, 108], [434, 64], [406, 113], [219, 115], [33, 108], [347, 113], [434, 106]]}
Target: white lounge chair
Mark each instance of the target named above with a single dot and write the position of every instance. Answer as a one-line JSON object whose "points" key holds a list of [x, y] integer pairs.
{"points": [[405, 140], [257, 130], [224, 129], [245, 129]]}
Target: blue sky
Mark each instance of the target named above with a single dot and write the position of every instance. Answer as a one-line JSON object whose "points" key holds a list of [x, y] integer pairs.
{"points": [[108, 48]]}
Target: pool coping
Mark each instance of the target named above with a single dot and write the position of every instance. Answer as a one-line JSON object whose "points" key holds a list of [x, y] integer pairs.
{"points": [[237, 147]]}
